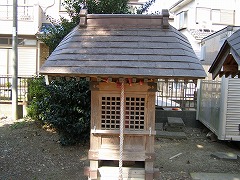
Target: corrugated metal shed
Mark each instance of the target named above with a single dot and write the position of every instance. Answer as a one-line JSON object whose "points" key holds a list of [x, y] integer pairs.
{"points": [[124, 45], [218, 107], [228, 58]]}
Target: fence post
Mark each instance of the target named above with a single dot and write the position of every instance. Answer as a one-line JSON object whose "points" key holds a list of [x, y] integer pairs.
{"points": [[199, 89]]}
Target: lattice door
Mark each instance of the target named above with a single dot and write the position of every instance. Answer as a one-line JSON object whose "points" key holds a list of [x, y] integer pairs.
{"points": [[134, 113]]}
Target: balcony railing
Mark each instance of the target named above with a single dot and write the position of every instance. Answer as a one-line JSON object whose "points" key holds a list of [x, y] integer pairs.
{"points": [[6, 88], [25, 12]]}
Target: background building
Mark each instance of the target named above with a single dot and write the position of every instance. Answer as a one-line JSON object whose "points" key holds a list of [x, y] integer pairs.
{"points": [[199, 18], [32, 19]]}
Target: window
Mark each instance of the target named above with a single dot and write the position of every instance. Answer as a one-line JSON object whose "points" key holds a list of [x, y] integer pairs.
{"points": [[134, 113], [203, 15], [216, 16], [182, 20], [222, 16], [4, 41], [21, 42], [6, 2]]}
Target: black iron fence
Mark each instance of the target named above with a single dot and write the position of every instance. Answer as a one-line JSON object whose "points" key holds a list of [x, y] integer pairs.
{"points": [[6, 88]]}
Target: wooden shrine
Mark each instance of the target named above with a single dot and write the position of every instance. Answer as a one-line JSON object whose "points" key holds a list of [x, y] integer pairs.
{"points": [[139, 129], [123, 56]]}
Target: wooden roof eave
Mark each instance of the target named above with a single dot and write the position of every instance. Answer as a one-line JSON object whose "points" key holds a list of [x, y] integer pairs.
{"points": [[216, 66], [189, 69], [225, 52], [137, 77]]}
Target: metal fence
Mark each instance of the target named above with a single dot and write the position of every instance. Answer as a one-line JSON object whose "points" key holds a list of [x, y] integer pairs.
{"points": [[6, 88], [174, 94], [171, 94]]}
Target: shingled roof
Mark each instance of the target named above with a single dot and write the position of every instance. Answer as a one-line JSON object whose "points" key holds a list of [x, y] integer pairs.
{"points": [[122, 46], [227, 61]]}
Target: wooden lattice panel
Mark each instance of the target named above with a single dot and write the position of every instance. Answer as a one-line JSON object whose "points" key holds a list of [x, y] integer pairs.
{"points": [[134, 113], [110, 113]]}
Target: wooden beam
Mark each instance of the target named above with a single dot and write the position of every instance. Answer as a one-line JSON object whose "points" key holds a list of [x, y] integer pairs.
{"points": [[218, 66], [235, 55], [126, 132], [234, 74], [221, 73], [227, 73], [230, 68]]}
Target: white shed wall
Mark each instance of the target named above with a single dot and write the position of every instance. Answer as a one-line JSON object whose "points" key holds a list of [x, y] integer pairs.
{"points": [[219, 107], [233, 110]]}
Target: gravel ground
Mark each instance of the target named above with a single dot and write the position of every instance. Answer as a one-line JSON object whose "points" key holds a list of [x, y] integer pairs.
{"points": [[194, 155], [28, 151]]}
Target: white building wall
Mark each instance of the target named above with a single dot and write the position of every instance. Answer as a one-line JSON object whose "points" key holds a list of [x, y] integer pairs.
{"points": [[202, 22]]}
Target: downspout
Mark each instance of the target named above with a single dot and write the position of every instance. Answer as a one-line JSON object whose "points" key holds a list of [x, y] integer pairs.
{"points": [[44, 12]]}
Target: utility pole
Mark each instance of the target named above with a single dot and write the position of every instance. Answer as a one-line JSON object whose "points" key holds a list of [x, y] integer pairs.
{"points": [[14, 64]]}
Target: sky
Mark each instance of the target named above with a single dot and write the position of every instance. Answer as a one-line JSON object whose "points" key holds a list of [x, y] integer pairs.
{"points": [[161, 4]]}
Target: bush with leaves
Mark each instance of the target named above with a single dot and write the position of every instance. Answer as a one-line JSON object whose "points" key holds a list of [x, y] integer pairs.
{"points": [[60, 28], [37, 91], [65, 106]]}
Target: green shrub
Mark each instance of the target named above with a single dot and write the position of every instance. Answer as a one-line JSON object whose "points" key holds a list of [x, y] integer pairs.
{"points": [[66, 108], [37, 92]]}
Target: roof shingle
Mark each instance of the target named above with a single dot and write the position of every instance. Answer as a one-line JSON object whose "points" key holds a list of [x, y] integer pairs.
{"points": [[124, 45]]}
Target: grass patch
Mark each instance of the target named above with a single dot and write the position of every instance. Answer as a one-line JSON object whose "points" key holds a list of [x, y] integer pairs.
{"points": [[21, 123]]}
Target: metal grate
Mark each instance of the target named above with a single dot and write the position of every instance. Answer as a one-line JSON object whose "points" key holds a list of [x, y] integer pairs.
{"points": [[134, 114]]}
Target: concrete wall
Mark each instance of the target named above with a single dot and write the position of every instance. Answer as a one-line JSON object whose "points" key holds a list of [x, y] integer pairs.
{"points": [[189, 117], [6, 110]]}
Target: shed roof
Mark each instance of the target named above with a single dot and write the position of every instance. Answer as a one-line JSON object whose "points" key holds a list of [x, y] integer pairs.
{"points": [[227, 61], [124, 45]]}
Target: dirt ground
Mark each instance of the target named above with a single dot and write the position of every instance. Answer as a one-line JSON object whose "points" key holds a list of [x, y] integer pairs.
{"points": [[28, 151]]}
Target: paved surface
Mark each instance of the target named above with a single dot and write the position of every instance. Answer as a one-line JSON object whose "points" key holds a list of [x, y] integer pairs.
{"points": [[171, 135], [215, 176], [175, 121], [225, 156]]}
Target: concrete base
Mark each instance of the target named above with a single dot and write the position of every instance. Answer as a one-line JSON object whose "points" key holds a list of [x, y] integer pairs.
{"points": [[188, 117], [215, 176], [171, 135], [6, 110], [225, 155]]}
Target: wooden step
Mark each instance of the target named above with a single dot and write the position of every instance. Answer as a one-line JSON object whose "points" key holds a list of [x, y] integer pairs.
{"points": [[129, 173]]}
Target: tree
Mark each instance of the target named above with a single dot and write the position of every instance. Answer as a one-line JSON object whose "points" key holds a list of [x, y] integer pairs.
{"points": [[145, 6], [59, 29]]}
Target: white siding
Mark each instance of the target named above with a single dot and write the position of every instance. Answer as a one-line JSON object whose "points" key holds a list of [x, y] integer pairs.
{"points": [[27, 64], [3, 61], [27, 61], [233, 110]]}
